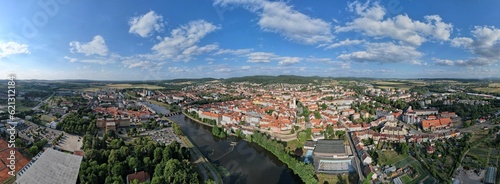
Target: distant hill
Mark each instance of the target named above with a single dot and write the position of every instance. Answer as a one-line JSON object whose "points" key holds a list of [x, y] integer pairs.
{"points": [[266, 79]]}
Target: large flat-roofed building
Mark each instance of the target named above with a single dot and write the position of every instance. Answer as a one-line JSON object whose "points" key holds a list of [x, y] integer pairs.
{"points": [[332, 156], [51, 167]]}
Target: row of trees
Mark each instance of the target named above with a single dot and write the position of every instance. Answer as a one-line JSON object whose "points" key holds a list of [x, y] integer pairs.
{"points": [[219, 132], [75, 123], [304, 171], [109, 161]]}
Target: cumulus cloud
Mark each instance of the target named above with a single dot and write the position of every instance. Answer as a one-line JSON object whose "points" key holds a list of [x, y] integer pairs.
{"points": [[485, 46], [462, 62], [371, 22], [12, 48], [70, 59], [260, 57], [281, 18], [384, 53], [233, 51], [96, 46], [177, 70], [345, 42], [181, 45], [486, 43], [145, 65], [341, 64], [146, 24], [286, 61]]}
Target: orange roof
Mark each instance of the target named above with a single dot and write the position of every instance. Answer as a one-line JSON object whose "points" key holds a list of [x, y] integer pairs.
{"points": [[210, 114], [21, 161], [436, 123], [316, 130], [141, 176]]}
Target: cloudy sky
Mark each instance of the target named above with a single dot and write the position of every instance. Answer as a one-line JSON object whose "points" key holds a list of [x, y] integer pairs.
{"points": [[133, 40]]}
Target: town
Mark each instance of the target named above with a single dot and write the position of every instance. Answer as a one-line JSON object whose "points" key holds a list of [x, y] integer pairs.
{"points": [[345, 130]]}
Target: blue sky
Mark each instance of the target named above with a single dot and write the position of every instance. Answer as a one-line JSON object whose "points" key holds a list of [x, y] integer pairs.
{"points": [[133, 40]]}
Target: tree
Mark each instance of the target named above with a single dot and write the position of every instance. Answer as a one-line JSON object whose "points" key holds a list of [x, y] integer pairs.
{"points": [[302, 136], [133, 162]]}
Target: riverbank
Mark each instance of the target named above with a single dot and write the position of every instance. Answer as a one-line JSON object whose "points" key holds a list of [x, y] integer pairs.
{"points": [[296, 166], [198, 121], [199, 159]]}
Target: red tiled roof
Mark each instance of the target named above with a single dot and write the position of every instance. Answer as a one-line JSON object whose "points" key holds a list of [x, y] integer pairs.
{"points": [[141, 176]]}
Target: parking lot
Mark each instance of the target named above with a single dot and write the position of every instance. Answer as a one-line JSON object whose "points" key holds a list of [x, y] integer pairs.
{"points": [[31, 131], [164, 136]]}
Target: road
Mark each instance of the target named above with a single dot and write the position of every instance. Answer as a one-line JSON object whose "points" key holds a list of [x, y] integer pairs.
{"points": [[357, 162], [43, 101]]}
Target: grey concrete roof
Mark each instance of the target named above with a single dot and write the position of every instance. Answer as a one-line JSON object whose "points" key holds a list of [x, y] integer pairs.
{"points": [[330, 146], [52, 167]]}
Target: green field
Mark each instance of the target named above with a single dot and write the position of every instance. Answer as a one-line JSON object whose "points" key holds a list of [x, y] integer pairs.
{"points": [[394, 85], [335, 178], [488, 90], [122, 86], [494, 85], [405, 178], [422, 173], [391, 157]]}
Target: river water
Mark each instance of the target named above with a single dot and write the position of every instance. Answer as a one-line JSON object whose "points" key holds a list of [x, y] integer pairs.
{"points": [[246, 162]]}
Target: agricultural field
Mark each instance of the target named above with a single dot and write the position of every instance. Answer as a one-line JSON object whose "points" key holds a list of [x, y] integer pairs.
{"points": [[481, 156], [494, 85], [488, 90], [403, 85], [122, 86]]}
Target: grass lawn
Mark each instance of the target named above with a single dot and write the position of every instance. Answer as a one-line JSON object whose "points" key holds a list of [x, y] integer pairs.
{"points": [[422, 173], [429, 180], [390, 157], [404, 162], [294, 144], [405, 178], [334, 179]]}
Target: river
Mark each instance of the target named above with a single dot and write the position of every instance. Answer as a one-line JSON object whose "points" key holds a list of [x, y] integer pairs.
{"points": [[246, 163]]}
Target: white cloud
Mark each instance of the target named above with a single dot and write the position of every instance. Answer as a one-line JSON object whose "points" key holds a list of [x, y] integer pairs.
{"points": [[281, 18], [233, 51], [96, 61], [70, 59], [181, 45], [466, 62], [144, 25], [96, 46], [287, 61], [245, 67], [177, 70], [11, 48], [344, 65], [223, 70], [145, 65], [372, 23], [345, 43], [486, 43], [260, 57], [384, 53]]}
